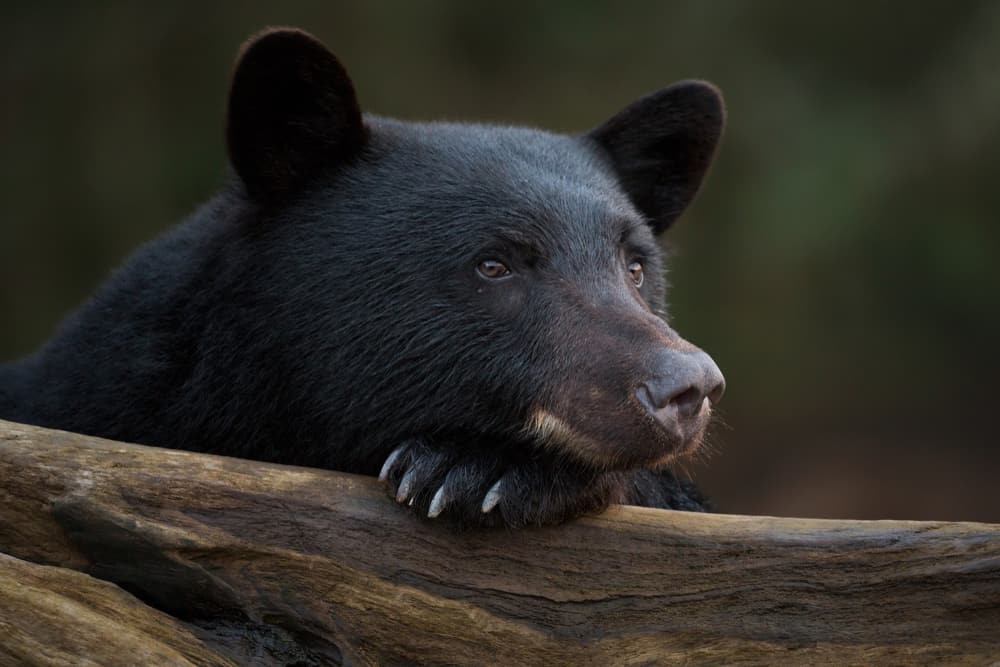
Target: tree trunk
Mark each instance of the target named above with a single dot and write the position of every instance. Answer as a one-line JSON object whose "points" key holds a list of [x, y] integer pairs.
{"points": [[266, 564]]}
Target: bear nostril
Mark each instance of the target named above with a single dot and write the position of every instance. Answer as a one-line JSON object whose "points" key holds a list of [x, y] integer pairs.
{"points": [[688, 402], [715, 395], [714, 382], [657, 396]]}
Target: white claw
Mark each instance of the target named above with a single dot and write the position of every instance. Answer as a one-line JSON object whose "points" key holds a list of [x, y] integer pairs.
{"points": [[492, 497], [403, 492], [437, 504], [387, 466]]}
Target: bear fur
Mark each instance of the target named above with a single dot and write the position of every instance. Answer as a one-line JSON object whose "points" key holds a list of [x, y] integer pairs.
{"points": [[454, 306]]}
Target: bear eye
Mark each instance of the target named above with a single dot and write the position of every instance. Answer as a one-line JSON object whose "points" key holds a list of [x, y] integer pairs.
{"points": [[493, 269], [635, 270]]}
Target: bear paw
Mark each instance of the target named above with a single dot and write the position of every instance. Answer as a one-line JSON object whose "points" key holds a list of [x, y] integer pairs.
{"points": [[469, 487]]}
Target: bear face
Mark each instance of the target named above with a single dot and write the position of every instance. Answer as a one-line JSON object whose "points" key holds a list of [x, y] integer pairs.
{"points": [[476, 312], [554, 348]]}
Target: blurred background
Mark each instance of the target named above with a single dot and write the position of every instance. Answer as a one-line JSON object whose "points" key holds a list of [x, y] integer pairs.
{"points": [[841, 264]]}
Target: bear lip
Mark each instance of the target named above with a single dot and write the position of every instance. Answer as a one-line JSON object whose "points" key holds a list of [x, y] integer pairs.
{"points": [[662, 445]]}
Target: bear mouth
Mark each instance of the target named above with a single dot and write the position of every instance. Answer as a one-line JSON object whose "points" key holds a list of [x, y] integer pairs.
{"points": [[644, 442]]}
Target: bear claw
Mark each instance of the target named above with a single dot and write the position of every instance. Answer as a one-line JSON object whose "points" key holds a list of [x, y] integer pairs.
{"points": [[387, 466], [437, 503], [492, 497], [405, 486]]}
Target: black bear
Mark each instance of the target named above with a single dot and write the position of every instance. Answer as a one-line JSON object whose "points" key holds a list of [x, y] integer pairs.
{"points": [[473, 311]]}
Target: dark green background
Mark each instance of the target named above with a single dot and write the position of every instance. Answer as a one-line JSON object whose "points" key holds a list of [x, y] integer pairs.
{"points": [[841, 264]]}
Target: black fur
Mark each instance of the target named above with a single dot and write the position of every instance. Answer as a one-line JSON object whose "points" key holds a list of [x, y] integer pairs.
{"points": [[326, 308]]}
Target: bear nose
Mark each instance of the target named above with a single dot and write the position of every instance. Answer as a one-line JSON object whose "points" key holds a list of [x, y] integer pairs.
{"points": [[681, 383]]}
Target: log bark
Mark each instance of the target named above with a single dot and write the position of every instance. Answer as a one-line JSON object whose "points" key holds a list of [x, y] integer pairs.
{"points": [[268, 564]]}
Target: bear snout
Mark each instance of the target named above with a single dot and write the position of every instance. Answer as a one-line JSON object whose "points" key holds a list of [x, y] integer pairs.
{"points": [[682, 381], [683, 384]]}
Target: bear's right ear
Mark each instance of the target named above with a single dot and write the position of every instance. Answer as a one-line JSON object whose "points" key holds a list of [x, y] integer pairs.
{"points": [[662, 145], [293, 113]]}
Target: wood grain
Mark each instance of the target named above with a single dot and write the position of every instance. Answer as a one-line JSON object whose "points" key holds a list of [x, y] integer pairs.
{"points": [[55, 617], [270, 564]]}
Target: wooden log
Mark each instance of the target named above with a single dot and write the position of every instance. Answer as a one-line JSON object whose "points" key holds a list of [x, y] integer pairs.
{"points": [[266, 561], [54, 617]]}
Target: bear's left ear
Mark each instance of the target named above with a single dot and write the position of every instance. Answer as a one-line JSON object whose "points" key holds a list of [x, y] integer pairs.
{"points": [[293, 114], [661, 146]]}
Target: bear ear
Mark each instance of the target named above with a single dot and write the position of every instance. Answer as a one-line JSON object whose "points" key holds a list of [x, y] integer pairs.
{"points": [[292, 113], [661, 146]]}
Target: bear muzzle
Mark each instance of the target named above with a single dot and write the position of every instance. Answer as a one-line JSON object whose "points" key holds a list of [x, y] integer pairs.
{"points": [[664, 416]]}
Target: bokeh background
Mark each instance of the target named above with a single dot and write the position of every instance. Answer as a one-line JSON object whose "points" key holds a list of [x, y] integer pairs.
{"points": [[841, 265]]}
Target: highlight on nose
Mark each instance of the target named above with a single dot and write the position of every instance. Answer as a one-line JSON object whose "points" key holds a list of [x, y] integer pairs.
{"points": [[681, 382]]}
